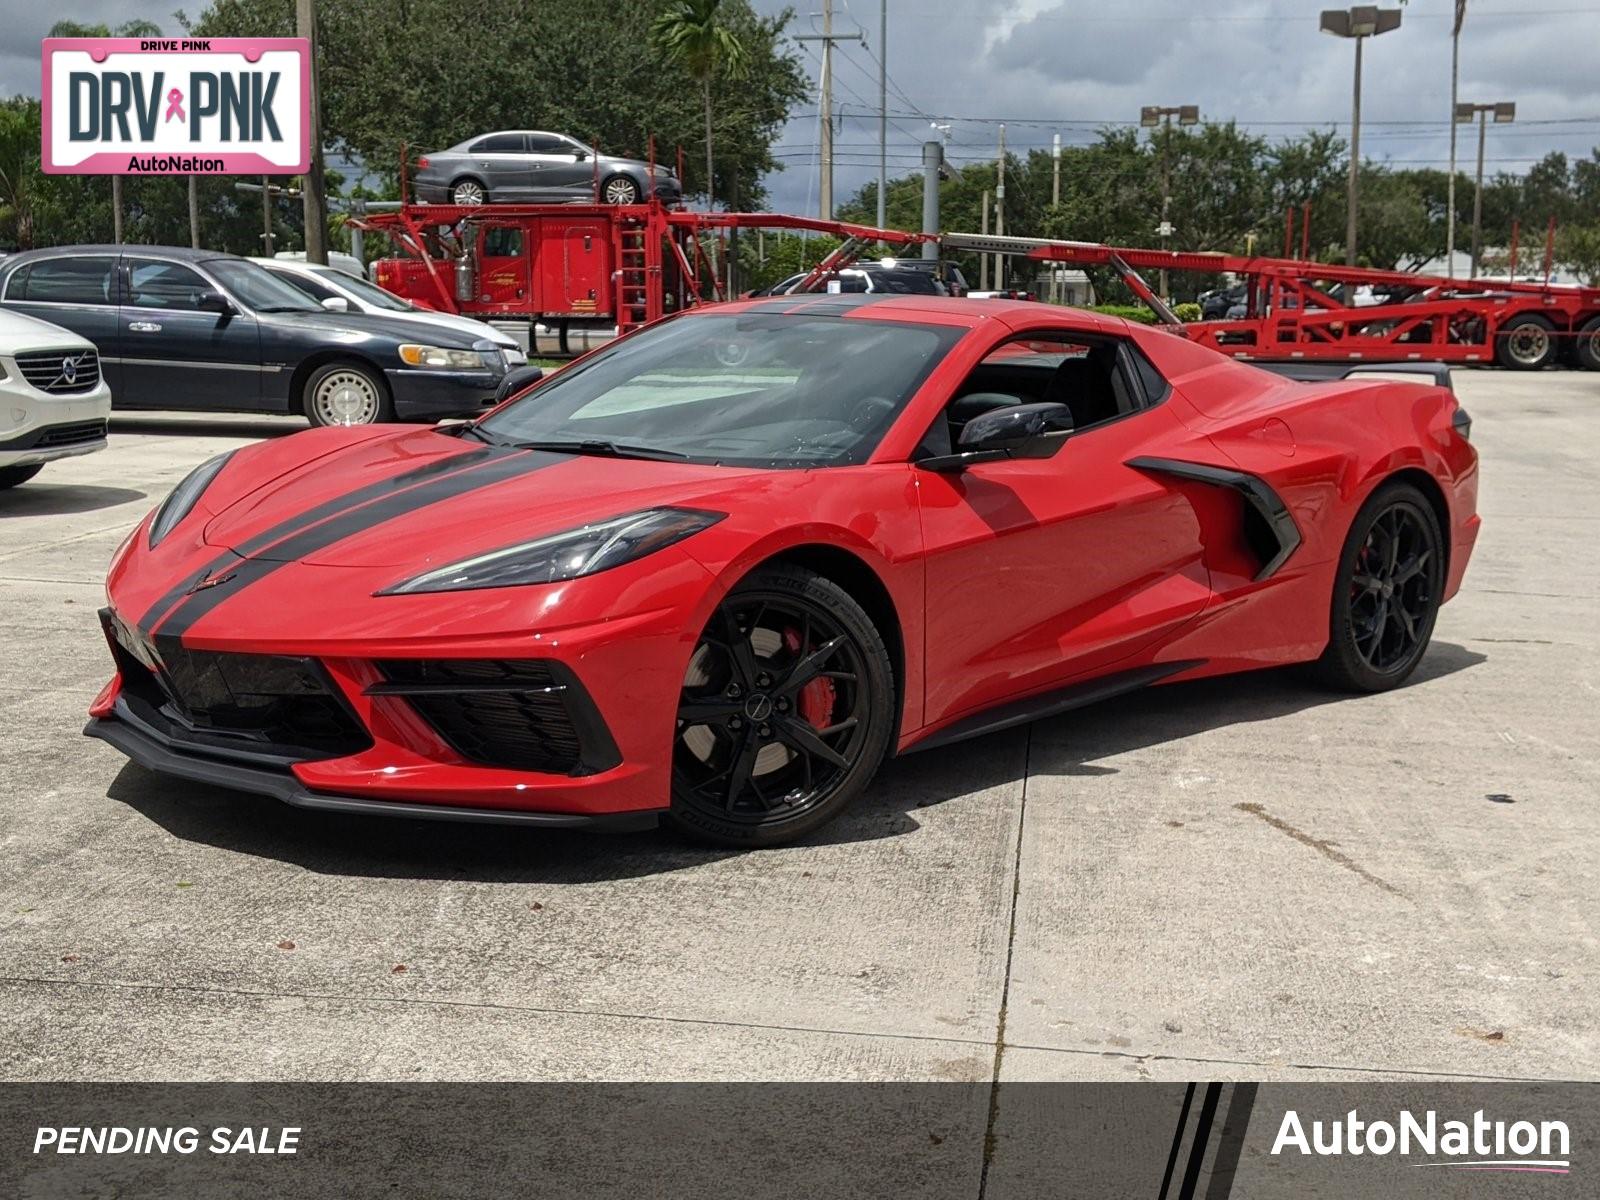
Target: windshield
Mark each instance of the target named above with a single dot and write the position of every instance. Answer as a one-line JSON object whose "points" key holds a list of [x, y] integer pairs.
{"points": [[259, 288], [755, 389], [371, 293]]}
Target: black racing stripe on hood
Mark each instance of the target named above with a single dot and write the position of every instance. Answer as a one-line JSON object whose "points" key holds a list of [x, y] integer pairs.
{"points": [[328, 508], [359, 520]]}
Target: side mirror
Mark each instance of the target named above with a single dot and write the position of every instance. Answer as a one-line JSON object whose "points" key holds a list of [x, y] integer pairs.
{"points": [[1016, 431], [518, 379], [336, 304], [214, 302], [580, 156]]}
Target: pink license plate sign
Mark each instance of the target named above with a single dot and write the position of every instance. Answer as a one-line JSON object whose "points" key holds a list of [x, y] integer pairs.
{"points": [[176, 106]]}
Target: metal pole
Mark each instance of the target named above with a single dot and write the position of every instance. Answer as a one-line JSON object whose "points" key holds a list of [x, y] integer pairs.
{"points": [[1477, 195], [1450, 189], [116, 209], [194, 213], [1055, 202], [1166, 198], [883, 112], [825, 186], [315, 195], [358, 245], [266, 216], [1355, 165], [932, 158], [983, 259], [1000, 211]]}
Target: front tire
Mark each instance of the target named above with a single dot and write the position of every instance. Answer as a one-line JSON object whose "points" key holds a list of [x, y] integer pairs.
{"points": [[346, 393], [10, 477], [619, 189], [786, 712], [1526, 343], [1386, 594]]}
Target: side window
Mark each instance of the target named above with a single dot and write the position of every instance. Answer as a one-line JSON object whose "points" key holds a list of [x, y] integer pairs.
{"points": [[164, 285], [65, 281], [502, 242], [499, 143], [548, 143], [1088, 374]]}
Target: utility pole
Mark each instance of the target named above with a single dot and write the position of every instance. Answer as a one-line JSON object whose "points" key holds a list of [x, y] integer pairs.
{"points": [[266, 216], [827, 38], [194, 213], [883, 113], [315, 191], [116, 209], [1450, 188], [1504, 113], [1000, 210], [932, 162], [1152, 116]]}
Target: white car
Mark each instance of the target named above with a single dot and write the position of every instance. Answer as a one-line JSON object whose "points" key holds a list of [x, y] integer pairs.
{"points": [[342, 292], [53, 401]]}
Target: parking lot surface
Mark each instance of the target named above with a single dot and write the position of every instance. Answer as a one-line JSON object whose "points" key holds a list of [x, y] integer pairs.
{"points": [[1245, 878]]}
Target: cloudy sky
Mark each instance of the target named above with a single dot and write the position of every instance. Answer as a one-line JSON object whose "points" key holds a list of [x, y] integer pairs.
{"points": [[1070, 66]]}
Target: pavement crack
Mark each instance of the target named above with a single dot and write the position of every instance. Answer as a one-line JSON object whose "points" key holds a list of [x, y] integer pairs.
{"points": [[1324, 848], [1005, 987]]}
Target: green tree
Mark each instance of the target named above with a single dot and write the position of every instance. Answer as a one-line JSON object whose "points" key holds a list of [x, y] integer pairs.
{"points": [[691, 34]]}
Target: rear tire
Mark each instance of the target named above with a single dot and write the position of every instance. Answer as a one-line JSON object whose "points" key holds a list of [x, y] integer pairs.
{"points": [[1587, 350], [1386, 594], [786, 713], [1526, 343], [346, 393], [10, 477], [468, 191]]}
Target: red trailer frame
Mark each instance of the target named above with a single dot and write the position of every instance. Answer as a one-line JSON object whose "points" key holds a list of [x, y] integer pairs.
{"points": [[1298, 309]]}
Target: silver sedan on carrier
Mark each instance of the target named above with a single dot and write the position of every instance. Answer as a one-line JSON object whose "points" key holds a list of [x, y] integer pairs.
{"points": [[532, 167]]}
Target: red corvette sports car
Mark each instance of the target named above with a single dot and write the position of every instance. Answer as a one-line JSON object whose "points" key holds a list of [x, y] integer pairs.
{"points": [[721, 569]]}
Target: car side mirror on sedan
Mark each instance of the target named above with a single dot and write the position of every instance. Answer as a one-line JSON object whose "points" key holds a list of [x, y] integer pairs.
{"points": [[336, 304], [580, 156], [214, 302], [1011, 431]]}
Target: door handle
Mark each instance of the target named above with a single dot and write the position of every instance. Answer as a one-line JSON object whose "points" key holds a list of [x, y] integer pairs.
{"points": [[143, 327]]}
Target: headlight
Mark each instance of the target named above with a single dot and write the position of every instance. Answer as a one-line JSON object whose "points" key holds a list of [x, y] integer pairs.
{"points": [[441, 356], [183, 497], [566, 555]]}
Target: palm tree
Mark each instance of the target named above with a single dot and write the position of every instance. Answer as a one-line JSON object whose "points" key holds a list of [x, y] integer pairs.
{"points": [[19, 163], [128, 29], [690, 33]]}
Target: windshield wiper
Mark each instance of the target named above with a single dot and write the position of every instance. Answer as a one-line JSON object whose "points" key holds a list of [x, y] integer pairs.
{"points": [[602, 449], [470, 429]]}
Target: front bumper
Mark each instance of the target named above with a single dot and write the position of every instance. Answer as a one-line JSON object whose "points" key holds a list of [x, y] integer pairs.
{"points": [[39, 428], [147, 747], [427, 394]]}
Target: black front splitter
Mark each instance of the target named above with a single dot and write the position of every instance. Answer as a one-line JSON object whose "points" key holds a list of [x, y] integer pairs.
{"points": [[148, 751]]}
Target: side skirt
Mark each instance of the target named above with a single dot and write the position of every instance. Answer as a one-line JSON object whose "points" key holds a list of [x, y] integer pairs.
{"points": [[1050, 704]]}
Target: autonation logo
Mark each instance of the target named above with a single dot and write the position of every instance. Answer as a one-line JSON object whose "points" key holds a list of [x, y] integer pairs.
{"points": [[1480, 1144]]}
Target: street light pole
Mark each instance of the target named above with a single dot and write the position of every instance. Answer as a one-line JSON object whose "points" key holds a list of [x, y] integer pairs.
{"points": [[883, 112], [1504, 113], [1450, 188], [315, 192], [1360, 23], [1152, 116]]}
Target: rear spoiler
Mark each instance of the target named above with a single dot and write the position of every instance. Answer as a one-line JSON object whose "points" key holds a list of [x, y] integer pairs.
{"points": [[1318, 372]]}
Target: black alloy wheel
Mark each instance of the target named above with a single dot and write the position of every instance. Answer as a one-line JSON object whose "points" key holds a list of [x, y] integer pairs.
{"points": [[1387, 593], [785, 714]]}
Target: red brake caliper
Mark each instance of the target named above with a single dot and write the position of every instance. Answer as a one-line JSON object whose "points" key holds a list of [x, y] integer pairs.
{"points": [[817, 698]]}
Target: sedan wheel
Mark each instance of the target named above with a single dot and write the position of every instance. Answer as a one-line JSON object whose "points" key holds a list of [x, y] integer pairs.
{"points": [[469, 191], [345, 394], [1387, 594], [785, 713], [619, 189]]}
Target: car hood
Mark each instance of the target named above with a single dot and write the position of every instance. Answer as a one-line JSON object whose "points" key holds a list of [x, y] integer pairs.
{"points": [[400, 326], [20, 333], [419, 498]]}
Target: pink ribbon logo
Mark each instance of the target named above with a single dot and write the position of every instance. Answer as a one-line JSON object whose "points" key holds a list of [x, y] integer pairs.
{"points": [[175, 105]]}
